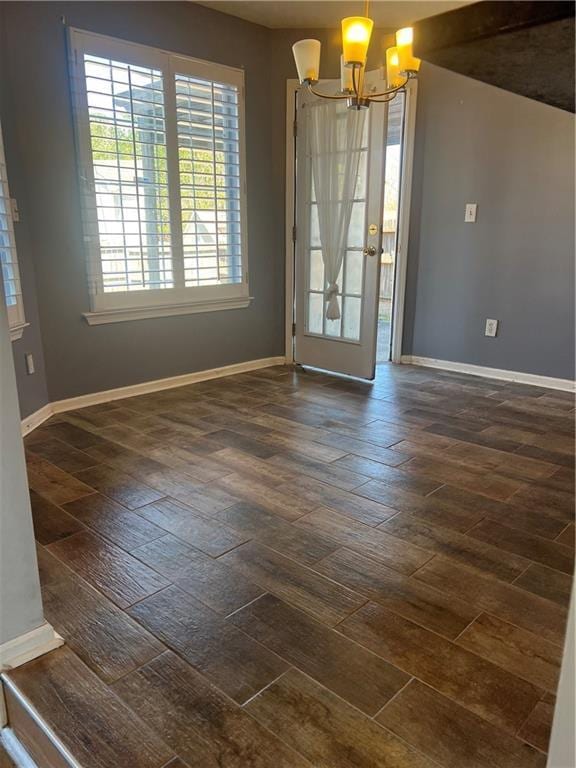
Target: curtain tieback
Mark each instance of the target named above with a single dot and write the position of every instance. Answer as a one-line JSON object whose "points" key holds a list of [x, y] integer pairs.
{"points": [[333, 308]]}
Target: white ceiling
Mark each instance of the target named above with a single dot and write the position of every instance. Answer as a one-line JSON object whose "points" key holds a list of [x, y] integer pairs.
{"points": [[328, 13]]}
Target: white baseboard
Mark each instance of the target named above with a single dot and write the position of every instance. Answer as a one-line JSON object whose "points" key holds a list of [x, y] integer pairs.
{"points": [[548, 382], [28, 646], [146, 387], [35, 419]]}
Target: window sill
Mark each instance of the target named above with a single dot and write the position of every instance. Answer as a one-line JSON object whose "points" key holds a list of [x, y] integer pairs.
{"points": [[145, 313], [17, 330]]}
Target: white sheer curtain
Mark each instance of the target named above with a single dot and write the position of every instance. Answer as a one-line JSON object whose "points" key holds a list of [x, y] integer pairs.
{"points": [[335, 134]]}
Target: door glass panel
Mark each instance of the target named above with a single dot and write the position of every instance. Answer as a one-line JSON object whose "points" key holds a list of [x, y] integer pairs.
{"points": [[354, 262], [361, 181], [314, 227], [316, 271], [356, 231], [315, 312], [333, 327], [352, 312]]}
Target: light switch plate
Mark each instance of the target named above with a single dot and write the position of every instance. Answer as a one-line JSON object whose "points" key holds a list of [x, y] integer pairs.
{"points": [[491, 327], [470, 213]]}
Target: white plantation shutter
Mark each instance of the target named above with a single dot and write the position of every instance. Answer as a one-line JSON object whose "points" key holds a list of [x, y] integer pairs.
{"points": [[8, 258], [209, 163], [128, 149], [161, 150]]}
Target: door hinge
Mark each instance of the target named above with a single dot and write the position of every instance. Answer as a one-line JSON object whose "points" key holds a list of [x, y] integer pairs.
{"points": [[294, 233], [295, 128], [293, 329], [14, 212]]}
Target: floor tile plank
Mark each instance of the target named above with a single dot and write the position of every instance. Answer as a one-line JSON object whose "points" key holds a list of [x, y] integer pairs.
{"points": [[538, 727], [277, 500], [53, 483], [272, 530], [347, 669], [451, 735], [204, 533], [211, 581], [103, 636], [114, 522], [326, 730], [547, 583], [375, 543], [523, 653], [118, 486], [486, 558], [115, 573], [534, 548], [297, 584], [480, 686], [506, 601], [349, 504], [201, 724], [408, 597], [229, 658], [51, 523]]}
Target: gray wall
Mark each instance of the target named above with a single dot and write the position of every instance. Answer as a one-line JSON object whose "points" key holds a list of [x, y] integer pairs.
{"points": [[515, 158], [32, 390], [80, 358], [474, 143], [20, 601]]}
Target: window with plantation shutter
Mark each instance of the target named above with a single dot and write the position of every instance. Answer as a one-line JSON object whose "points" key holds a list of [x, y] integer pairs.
{"points": [[8, 258], [161, 154]]}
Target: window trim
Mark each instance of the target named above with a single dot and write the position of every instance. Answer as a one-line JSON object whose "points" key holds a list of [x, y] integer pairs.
{"points": [[115, 306], [16, 316]]}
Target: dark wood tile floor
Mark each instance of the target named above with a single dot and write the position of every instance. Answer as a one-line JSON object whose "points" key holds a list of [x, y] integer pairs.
{"points": [[283, 569]]}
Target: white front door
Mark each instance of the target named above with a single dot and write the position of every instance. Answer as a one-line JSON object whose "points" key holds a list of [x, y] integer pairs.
{"points": [[346, 345]]}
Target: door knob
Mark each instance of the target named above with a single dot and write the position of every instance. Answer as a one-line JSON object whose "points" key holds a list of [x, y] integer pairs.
{"points": [[370, 250]]}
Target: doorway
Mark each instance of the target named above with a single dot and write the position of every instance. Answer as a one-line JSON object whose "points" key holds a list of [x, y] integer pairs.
{"points": [[380, 225], [390, 220]]}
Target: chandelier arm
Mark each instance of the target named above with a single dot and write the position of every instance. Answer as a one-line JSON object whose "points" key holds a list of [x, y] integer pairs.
{"points": [[391, 97], [327, 95], [389, 91]]}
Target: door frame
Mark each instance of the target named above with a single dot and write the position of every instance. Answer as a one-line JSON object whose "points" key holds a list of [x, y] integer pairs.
{"points": [[401, 262]]}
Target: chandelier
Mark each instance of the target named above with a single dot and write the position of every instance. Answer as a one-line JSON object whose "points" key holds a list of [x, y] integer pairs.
{"points": [[401, 64]]}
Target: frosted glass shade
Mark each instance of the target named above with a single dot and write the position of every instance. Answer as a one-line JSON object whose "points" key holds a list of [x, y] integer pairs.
{"points": [[393, 76], [356, 33], [407, 62], [307, 58]]}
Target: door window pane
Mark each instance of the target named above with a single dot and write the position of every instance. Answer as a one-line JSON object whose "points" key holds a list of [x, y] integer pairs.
{"points": [[316, 271], [352, 313], [315, 312], [354, 263], [356, 230]]}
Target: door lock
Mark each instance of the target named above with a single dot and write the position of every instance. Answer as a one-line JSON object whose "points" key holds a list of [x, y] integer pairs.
{"points": [[370, 250]]}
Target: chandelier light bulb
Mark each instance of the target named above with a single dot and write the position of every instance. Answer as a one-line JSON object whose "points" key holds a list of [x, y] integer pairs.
{"points": [[307, 58], [356, 33], [407, 61]]}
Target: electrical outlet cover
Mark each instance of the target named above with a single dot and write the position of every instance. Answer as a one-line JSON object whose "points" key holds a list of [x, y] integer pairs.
{"points": [[491, 328]]}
